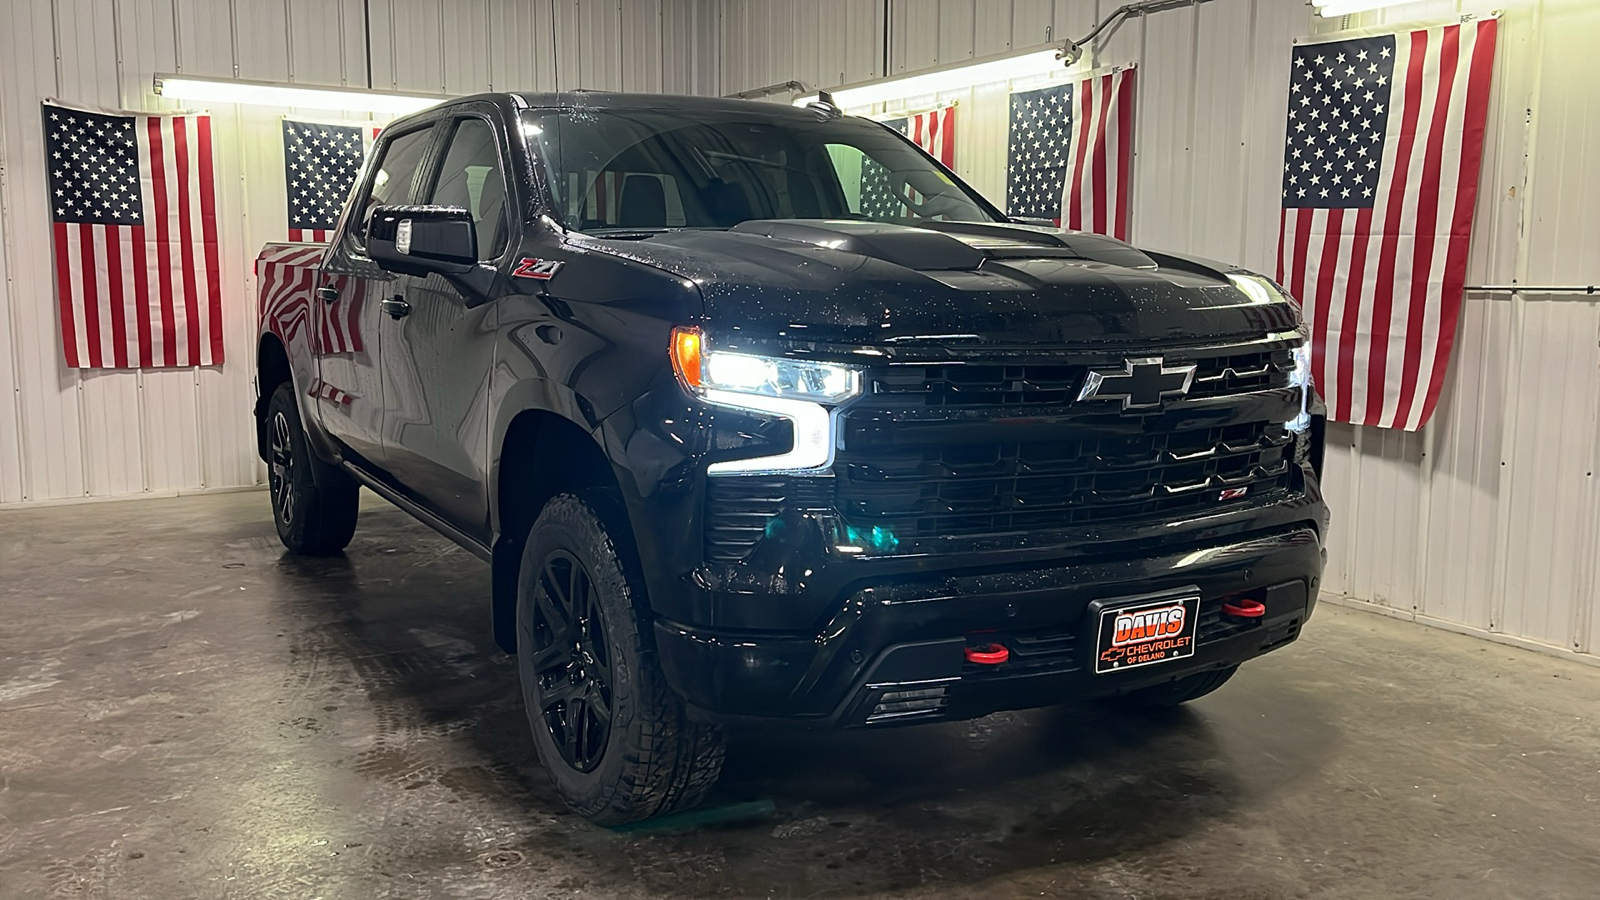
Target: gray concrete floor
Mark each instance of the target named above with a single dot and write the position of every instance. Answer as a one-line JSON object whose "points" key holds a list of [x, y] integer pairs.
{"points": [[186, 711]]}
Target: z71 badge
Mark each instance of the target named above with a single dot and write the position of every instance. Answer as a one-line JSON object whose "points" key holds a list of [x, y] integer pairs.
{"points": [[537, 269]]}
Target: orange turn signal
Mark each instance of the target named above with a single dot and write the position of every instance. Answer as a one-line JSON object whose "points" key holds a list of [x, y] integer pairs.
{"points": [[687, 350]]}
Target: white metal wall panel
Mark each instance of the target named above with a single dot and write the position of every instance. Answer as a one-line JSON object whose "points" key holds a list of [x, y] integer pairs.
{"points": [[1548, 549], [1464, 483], [1162, 160], [1490, 519], [10, 386], [325, 42], [1222, 61], [66, 434], [261, 34], [464, 37], [1032, 22], [52, 456], [641, 46]]}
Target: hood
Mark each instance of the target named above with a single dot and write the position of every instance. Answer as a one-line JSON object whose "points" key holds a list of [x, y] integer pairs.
{"points": [[951, 283]]}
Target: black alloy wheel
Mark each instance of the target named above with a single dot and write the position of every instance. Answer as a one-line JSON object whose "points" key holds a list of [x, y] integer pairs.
{"points": [[280, 477], [571, 661], [618, 743], [314, 504]]}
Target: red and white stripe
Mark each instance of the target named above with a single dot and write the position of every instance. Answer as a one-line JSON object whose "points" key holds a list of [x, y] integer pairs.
{"points": [[935, 132], [1382, 286], [340, 321], [148, 295], [1094, 195], [284, 274]]}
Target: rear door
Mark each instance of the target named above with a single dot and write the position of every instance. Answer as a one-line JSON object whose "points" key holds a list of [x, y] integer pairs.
{"points": [[349, 395], [438, 354]]}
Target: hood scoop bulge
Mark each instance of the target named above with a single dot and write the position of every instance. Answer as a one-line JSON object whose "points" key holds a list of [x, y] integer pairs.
{"points": [[947, 246]]}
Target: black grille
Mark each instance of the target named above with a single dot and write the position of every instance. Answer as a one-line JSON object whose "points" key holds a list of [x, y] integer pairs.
{"points": [[976, 450], [971, 489], [964, 385]]}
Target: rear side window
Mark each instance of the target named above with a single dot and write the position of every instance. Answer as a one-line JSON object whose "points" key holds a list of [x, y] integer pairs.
{"points": [[470, 178], [397, 169]]}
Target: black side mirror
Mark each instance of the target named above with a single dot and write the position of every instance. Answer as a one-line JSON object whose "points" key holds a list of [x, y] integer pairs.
{"points": [[423, 240]]}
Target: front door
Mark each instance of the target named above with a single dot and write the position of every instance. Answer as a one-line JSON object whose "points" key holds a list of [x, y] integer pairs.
{"points": [[348, 394], [439, 345]]}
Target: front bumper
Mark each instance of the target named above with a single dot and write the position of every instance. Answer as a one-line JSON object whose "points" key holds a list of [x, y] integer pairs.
{"points": [[895, 651]]}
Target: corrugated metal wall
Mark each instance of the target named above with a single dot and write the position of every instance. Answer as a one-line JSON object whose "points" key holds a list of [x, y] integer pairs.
{"points": [[1488, 521], [99, 434]]}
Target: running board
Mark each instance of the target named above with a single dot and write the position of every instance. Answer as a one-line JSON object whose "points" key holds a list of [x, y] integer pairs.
{"points": [[419, 512]]}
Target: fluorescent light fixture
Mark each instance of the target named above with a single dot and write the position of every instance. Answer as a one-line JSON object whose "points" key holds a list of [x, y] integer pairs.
{"points": [[261, 93], [951, 78], [1332, 9]]}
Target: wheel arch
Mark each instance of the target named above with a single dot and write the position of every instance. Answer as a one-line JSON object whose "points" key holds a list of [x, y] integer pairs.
{"points": [[542, 454], [272, 369]]}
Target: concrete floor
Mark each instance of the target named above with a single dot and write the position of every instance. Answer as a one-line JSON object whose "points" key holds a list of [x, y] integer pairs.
{"points": [[185, 711]]}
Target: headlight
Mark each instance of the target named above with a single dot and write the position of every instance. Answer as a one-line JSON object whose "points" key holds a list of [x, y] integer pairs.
{"points": [[1261, 289], [1300, 377], [806, 393]]}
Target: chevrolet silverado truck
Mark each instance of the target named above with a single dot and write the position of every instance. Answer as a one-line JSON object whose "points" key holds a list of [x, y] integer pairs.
{"points": [[760, 415]]}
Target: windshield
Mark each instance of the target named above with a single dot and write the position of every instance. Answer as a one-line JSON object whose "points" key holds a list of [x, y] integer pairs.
{"points": [[641, 170]]}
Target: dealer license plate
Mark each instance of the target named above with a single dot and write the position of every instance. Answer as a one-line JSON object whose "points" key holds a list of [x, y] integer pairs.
{"points": [[1146, 632]]}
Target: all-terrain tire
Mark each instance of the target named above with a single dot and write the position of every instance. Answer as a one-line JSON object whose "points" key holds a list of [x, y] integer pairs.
{"points": [[601, 673], [313, 504], [1173, 693]]}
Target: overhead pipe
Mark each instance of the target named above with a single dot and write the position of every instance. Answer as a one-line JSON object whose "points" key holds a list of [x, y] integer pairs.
{"points": [[1533, 289], [1072, 51]]}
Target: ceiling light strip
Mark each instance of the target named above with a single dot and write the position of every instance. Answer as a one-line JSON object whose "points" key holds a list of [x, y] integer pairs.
{"points": [[298, 96]]}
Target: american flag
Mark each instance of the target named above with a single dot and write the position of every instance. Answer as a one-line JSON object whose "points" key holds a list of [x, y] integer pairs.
{"points": [[133, 212], [1385, 136], [933, 131], [321, 162], [1071, 151]]}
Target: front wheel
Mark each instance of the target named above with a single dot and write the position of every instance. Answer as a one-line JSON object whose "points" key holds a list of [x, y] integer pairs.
{"points": [[313, 504], [615, 739]]}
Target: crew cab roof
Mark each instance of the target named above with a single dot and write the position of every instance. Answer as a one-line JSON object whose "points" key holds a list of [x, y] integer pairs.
{"points": [[609, 100]]}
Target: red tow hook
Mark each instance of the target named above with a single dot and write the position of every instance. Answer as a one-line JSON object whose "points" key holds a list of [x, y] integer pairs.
{"points": [[1245, 609], [988, 655]]}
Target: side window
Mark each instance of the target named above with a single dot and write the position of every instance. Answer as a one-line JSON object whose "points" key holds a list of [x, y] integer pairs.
{"points": [[391, 185], [470, 178]]}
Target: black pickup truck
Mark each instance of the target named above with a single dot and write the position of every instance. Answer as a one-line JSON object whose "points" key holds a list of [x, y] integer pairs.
{"points": [[739, 446]]}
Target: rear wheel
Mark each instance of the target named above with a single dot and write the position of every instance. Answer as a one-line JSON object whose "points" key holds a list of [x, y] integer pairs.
{"points": [[615, 739], [1173, 693], [313, 504]]}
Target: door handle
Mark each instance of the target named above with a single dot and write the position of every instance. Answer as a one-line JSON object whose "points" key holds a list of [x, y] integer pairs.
{"points": [[395, 307], [328, 293]]}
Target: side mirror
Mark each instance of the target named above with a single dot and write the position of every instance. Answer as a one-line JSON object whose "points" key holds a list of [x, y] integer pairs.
{"points": [[423, 240]]}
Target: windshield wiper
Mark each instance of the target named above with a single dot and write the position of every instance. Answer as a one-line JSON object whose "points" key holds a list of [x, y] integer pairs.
{"points": [[627, 231]]}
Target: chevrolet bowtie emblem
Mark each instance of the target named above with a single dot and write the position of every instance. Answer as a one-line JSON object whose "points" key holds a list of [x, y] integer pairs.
{"points": [[1139, 384]]}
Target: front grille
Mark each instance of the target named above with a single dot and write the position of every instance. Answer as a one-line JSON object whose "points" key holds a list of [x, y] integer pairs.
{"points": [[990, 488], [975, 450], [967, 385]]}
